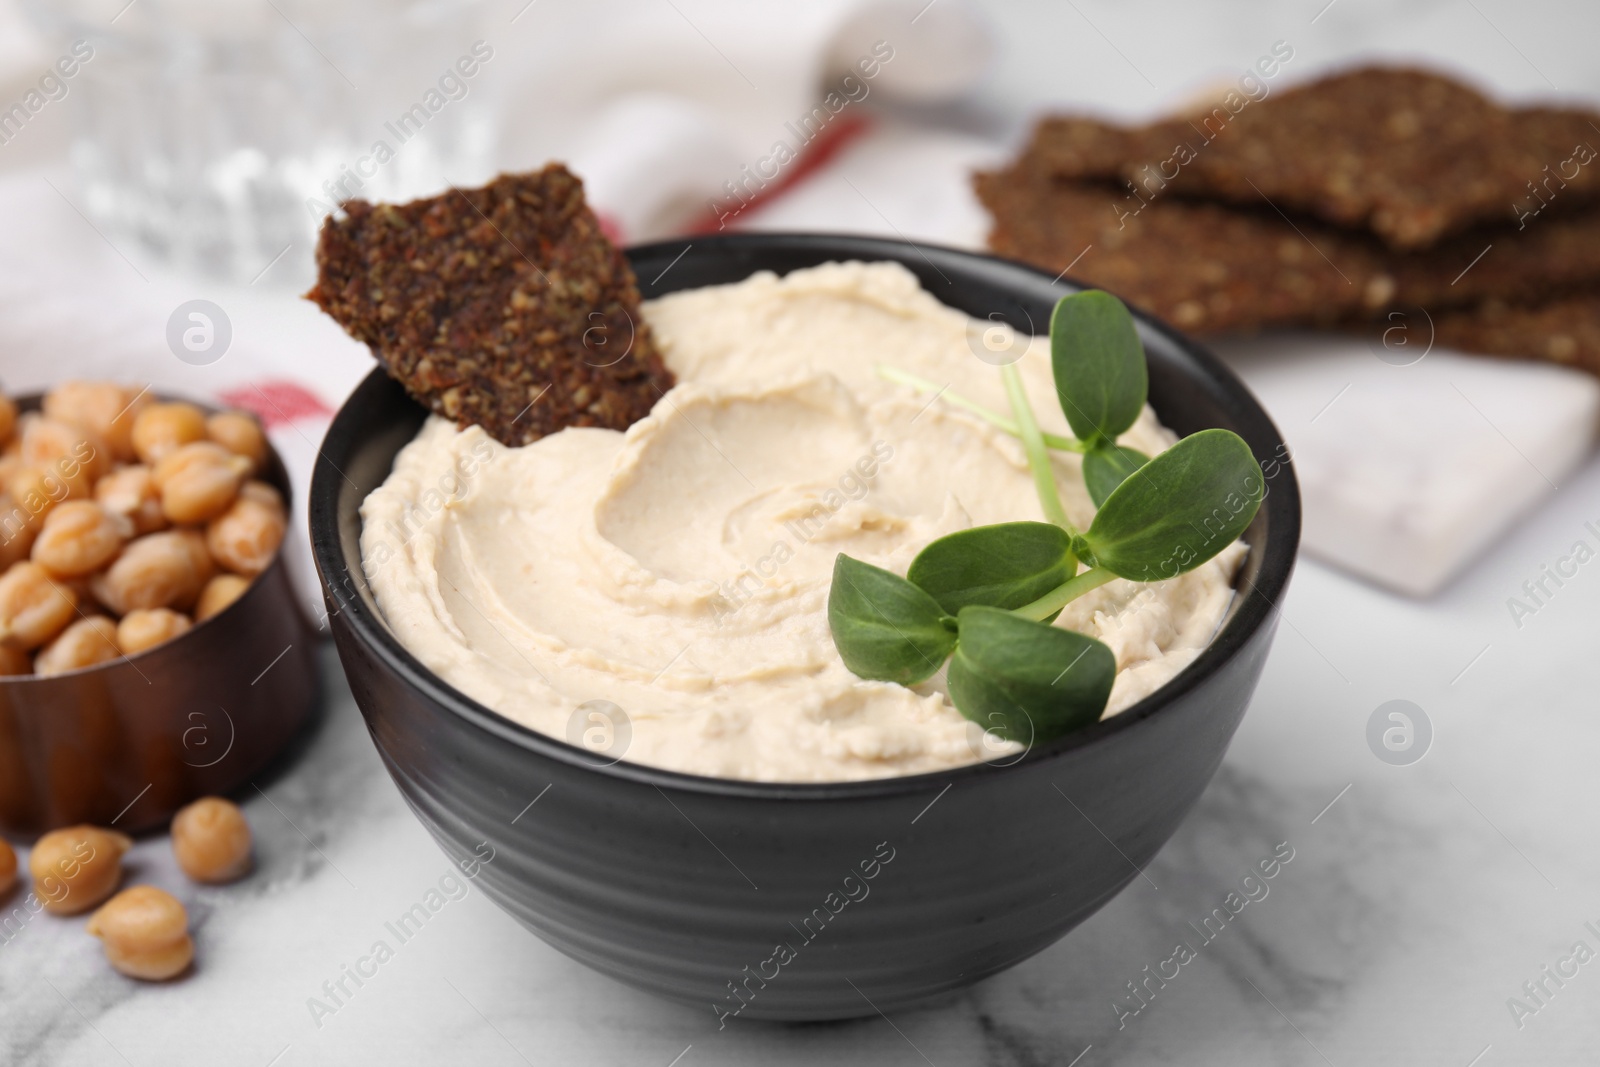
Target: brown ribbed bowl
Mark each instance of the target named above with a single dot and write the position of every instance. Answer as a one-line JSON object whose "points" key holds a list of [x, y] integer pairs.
{"points": [[129, 742], [757, 900]]}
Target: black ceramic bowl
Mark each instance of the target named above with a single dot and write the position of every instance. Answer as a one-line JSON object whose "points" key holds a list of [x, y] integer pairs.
{"points": [[807, 901]]}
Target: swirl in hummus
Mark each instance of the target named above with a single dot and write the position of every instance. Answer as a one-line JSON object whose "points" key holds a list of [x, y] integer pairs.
{"points": [[681, 570]]}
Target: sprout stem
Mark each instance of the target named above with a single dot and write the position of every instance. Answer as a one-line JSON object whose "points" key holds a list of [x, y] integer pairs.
{"points": [[993, 418], [1065, 593], [1044, 475]]}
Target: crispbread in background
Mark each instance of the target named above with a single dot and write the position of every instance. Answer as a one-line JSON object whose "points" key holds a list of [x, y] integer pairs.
{"points": [[504, 307], [1207, 268], [1565, 330], [1411, 155], [1217, 268]]}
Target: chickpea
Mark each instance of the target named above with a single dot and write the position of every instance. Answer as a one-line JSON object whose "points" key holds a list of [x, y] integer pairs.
{"points": [[14, 661], [8, 417], [198, 481], [199, 555], [38, 489], [103, 408], [78, 538], [83, 644], [264, 492], [146, 933], [131, 491], [239, 433], [211, 840], [246, 536], [18, 530], [159, 570], [8, 867], [33, 609], [165, 427], [219, 592], [144, 628], [76, 868], [51, 444]]}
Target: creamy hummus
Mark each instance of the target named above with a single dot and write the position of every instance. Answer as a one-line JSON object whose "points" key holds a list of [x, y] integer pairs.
{"points": [[679, 571]]}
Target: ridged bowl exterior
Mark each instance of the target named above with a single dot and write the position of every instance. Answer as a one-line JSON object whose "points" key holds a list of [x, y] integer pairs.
{"points": [[807, 902]]}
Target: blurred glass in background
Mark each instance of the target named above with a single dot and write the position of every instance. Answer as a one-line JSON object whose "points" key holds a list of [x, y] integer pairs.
{"points": [[216, 133]]}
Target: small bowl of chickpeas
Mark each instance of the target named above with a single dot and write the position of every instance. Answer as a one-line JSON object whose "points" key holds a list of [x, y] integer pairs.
{"points": [[151, 648]]}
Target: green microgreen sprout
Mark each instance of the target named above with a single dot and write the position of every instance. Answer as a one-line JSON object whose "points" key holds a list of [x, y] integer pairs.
{"points": [[983, 599], [1044, 475], [955, 399]]}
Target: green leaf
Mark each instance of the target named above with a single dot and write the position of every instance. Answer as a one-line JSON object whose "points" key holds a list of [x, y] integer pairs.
{"points": [[1178, 510], [884, 627], [1028, 681], [1107, 466], [1099, 365], [1004, 566]]}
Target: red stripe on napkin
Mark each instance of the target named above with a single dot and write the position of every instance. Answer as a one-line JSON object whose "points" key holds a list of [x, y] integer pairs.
{"points": [[276, 403], [829, 142]]}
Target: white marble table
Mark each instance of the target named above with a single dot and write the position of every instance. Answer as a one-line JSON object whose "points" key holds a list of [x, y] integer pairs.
{"points": [[1420, 898]]}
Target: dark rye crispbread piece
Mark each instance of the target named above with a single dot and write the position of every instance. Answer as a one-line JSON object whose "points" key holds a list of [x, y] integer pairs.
{"points": [[1552, 253], [1206, 268], [1215, 268], [1075, 146], [1565, 330], [1410, 155], [503, 307]]}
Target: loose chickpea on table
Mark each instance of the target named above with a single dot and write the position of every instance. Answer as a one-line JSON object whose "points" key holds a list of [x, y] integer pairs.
{"points": [[77, 867], [145, 931], [211, 840], [124, 520]]}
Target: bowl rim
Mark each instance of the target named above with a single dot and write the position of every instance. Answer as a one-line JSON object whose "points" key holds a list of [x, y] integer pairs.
{"points": [[1246, 615], [272, 465]]}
